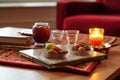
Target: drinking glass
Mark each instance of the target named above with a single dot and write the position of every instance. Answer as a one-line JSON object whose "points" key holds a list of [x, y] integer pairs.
{"points": [[72, 36], [41, 33], [57, 36]]}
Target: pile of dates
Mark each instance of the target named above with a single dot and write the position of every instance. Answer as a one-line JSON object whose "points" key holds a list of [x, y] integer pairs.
{"points": [[81, 47]]}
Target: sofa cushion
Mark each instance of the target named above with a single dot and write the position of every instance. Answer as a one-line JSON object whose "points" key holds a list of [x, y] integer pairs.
{"points": [[112, 5], [111, 24], [99, 0]]}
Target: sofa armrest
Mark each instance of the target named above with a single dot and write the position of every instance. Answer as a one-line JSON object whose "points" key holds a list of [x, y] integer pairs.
{"points": [[69, 8]]}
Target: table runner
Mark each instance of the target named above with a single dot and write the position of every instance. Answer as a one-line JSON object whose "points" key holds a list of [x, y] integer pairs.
{"points": [[12, 57]]}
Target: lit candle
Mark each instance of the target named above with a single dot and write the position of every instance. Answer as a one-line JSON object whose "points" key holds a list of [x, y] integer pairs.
{"points": [[96, 36]]}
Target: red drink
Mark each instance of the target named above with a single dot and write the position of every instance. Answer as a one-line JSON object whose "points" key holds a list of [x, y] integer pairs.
{"points": [[41, 33]]}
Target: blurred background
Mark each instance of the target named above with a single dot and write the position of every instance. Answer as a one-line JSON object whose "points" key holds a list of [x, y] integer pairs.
{"points": [[24, 13]]}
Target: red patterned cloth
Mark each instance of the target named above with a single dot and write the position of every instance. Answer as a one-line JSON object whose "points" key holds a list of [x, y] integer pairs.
{"points": [[12, 57]]}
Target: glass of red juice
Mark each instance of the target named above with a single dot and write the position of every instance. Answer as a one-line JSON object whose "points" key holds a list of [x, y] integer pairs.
{"points": [[41, 33]]}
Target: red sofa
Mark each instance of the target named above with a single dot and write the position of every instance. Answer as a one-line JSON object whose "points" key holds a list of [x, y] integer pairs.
{"points": [[82, 15]]}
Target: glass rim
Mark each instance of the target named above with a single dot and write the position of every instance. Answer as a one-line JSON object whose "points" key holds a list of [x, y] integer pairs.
{"points": [[41, 23], [100, 29], [72, 31], [57, 30]]}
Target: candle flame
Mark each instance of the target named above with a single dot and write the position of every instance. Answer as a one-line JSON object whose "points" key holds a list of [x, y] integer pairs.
{"points": [[96, 32]]}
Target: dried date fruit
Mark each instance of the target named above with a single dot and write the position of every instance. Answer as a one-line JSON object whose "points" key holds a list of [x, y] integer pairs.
{"points": [[56, 48], [63, 51], [81, 47], [51, 51]]}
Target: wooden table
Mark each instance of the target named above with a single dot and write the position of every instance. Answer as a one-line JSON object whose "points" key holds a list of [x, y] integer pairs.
{"points": [[107, 70]]}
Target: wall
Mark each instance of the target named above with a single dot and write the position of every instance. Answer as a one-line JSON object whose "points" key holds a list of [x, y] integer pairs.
{"points": [[8, 1], [27, 16]]}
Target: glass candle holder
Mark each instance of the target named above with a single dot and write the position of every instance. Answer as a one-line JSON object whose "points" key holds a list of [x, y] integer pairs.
{"points": [[96, 37]]}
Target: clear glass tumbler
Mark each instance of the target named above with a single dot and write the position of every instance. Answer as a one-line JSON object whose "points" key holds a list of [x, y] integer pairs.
{"points": [[57, 36], [72, 36]]}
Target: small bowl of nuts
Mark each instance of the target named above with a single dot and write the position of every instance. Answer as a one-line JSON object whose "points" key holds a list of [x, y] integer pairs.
{"points": [[81, 48]]}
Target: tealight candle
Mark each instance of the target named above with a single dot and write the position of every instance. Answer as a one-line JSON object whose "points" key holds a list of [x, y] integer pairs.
{"points": [[96, 36]]}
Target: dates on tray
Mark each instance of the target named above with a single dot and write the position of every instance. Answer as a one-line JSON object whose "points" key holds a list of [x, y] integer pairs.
{"points": [[81, 47], [56, 52]]}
